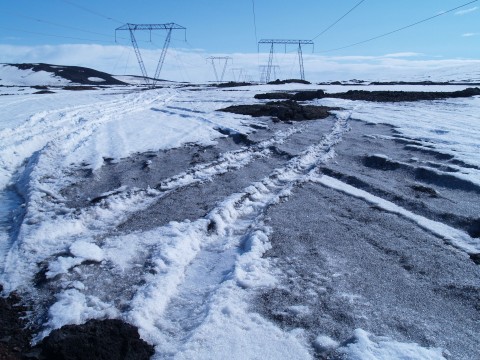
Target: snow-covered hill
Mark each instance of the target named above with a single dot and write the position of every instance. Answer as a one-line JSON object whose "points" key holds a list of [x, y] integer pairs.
{"points": [[52, 75]]}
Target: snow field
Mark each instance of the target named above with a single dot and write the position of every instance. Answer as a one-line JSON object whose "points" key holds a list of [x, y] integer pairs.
{"points": [[186, 285]]}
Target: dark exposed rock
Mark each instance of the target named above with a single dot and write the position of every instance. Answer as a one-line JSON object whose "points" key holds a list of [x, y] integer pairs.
{"points": [[379, 96], [96, 339], [14, 336], [44, 92], [309, 95], [274, 96], [380, 163], [282, 110], [289, 81], [77, 88], [231, 84]]}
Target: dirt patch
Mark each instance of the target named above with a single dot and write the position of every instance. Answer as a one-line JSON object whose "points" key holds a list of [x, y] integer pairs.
{"points": [[378, 96], [282, 110]]}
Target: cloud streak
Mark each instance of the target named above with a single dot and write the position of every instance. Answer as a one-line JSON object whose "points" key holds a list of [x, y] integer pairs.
{"points": [[190, 65], [466, 11]]}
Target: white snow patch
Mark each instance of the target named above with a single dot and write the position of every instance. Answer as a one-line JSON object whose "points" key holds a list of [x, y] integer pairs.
{"points": [[86, 251], [324, 343], [231, 331], [61, 265], [74, 307], [96, 79], [13, 76], [365, 346]]}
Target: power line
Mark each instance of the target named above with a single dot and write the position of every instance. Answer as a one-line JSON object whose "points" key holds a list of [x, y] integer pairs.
{"points": [[57, 36], [339, 19], [400, 29], [93, 11], [56, 24], [254, 21]]}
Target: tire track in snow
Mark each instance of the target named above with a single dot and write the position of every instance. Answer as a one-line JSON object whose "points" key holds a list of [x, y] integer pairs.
{"points": [[190, 267], [71, 123], [42, 172], [99, 220]]}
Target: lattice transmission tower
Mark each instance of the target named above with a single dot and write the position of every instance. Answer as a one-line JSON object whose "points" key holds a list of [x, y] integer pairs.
{"points": [[131, 28], [240, 74], [214, 60], [285, 42], [263, 72]]}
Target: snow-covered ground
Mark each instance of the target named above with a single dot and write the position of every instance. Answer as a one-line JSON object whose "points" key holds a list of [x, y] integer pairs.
{"points": [[189, 284], [12, 76]]}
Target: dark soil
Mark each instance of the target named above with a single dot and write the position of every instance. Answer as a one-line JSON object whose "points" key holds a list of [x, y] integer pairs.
{"points": [[96, 339], [14, 336], [75, 74], [282, 110], [378, 96]]}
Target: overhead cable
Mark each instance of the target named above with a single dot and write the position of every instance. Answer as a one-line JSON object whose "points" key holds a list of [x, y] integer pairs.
{"points": [[93, 11], [400, 29], [254, 21], [57, 36], [56, 24], [339, 19]]}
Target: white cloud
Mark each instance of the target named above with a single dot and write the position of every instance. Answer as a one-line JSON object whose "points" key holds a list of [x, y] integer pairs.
{"points": [[190, 64], [467, 11], [403, 54], [469, 34]]}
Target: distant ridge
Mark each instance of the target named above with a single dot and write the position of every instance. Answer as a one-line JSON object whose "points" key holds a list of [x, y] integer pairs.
{"points": [[74, 74]]}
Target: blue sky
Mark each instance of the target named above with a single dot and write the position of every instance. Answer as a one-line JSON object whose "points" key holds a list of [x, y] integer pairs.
{"points": [[76, 32], [226, 26]]}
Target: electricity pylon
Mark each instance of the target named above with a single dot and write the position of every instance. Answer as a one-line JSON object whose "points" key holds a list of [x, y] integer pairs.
{"points": [[240, 73], [285, 42], [150, 27], [225, 58], [263, 72]]}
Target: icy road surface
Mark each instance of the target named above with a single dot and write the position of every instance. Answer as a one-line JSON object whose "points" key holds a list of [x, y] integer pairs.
{"points": [[352, 237]]}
